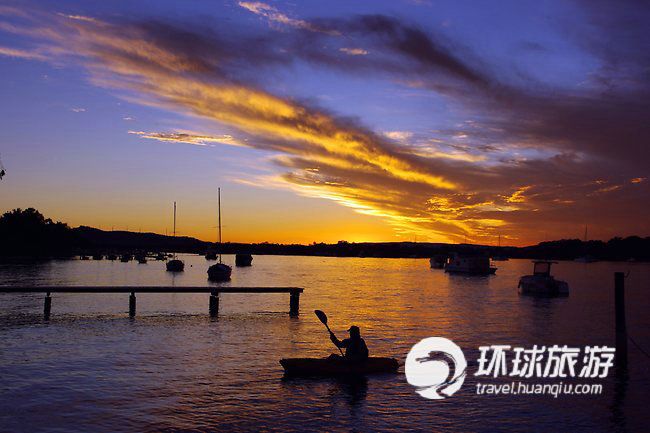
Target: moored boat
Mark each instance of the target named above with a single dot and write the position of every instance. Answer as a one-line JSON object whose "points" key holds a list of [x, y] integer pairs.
{"points": [[469, 264], [585, 257], [219, 271], [243, 260], [338, 366], [211, 255], [438, 261], [542, 283], [125, 258], [500, 257], [175, 265]]}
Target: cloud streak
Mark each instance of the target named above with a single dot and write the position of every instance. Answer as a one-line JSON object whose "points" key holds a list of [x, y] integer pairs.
{"points": [[190, 138], [21, 54], [272, 14]]}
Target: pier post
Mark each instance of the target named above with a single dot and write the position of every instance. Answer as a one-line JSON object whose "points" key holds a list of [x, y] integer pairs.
{"points": [[132, 304], [214, 303], [294, 303], [47, 307], [621, 328]]}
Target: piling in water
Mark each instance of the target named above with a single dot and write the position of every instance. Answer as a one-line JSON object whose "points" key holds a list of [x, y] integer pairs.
{"points": [[214, 303], [294, 303], [132, 302], [47, 307], [621, 328]]}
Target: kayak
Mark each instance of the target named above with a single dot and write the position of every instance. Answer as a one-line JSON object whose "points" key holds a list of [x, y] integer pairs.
{"points": [[337, 367]]}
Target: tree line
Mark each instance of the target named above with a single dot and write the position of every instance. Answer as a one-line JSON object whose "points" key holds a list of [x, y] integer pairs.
{"points": [[28, 233]]}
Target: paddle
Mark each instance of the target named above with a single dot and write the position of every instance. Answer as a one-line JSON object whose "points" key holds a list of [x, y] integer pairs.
{"points": [[323, 318]]}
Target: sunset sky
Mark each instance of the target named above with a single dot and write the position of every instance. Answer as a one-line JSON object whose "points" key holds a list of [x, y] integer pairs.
{"points": [[439, 121]]}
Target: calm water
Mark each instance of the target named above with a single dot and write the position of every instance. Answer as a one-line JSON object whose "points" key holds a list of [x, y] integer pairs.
{"points": [[91, 368]]}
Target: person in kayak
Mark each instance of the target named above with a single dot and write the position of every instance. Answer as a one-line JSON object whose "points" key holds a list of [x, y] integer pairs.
{"points": [[355, 347]]}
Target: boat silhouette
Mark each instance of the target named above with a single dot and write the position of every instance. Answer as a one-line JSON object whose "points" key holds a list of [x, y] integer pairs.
{"points": [[175, 265], [219, 271]]}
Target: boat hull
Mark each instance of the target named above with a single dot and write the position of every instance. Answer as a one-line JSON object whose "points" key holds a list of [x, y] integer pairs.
{"points": [[325, 367], [219, 272], [175, 266], [469, 265], [437, 262], [469, 271], [243, 260], [535, 285], [586, 259]]}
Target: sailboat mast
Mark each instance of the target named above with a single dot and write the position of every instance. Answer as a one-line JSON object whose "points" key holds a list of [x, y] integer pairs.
{"points": [[219, 203], [174, 227], [585, 232]]}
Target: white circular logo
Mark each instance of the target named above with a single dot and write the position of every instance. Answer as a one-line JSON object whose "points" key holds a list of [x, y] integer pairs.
{"points": [[436, 367]]}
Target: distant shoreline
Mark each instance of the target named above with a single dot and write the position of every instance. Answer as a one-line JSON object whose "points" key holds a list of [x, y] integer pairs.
{"points": [[615, 250], [28, 234], [5, 259]]}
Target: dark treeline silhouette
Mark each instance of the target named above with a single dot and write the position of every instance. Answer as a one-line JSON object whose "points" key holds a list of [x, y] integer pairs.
{"points": [[616, 249], [28, 233], [119, 240]]}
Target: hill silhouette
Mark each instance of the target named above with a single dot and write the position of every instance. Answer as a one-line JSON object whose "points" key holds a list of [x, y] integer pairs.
{"points": [[28, 233]]}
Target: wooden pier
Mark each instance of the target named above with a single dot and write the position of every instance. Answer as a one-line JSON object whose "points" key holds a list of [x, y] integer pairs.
{"points": [[213, 308]]}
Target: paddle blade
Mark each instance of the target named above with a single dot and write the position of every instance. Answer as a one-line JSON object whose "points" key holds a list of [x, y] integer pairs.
{"points": [[321, 316]]}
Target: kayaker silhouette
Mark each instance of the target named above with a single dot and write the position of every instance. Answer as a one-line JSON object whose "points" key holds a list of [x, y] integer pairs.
{"points": [[355, 347], [355, 363]]}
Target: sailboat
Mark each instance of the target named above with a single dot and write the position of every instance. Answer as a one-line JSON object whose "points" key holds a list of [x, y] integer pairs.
{"points": [[500, 257], [175, 265], [586, 258], [219, 271]]}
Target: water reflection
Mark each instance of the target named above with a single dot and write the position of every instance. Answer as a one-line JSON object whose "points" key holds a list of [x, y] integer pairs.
{"points": [[352, 390], [175, 368]]}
